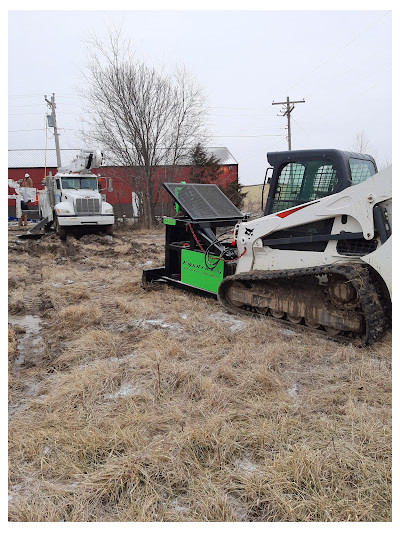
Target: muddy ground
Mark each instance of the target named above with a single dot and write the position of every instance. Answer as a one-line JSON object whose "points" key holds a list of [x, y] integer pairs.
{"points": [[133, 405]]}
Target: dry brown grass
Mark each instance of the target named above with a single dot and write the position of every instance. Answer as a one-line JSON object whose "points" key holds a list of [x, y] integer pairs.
{"points": [[16, 300], [12, 343], [159, 406], [73, 317]]}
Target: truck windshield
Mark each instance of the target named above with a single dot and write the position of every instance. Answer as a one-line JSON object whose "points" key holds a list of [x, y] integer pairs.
{"points": [[79, 183]]}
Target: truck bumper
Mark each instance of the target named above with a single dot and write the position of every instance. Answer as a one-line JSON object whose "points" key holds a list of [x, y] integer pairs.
{"points": [[90, 220]]}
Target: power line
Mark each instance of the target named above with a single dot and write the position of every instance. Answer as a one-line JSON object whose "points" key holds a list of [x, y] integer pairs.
{"points": [[339, 50], [366, 75], [24, 96], [240, 116], [17, 131], [246, 136], [24, 114], [359, 94], [239, 108], [302, 129], [36, 105], [351, 70]]}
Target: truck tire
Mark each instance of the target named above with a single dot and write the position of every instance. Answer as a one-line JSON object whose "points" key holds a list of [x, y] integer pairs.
{"points": [[60, 230], [109, 229]]}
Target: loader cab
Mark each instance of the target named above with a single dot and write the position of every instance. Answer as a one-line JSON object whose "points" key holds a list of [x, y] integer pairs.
{"points": [[301, 176]]}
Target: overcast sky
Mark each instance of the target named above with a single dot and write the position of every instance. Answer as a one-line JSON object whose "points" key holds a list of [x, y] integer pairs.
{"points": [[338, 61]]}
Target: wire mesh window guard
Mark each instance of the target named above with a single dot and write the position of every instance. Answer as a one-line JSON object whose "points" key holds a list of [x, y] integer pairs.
{"points": [[300, 183], [361, 170]]}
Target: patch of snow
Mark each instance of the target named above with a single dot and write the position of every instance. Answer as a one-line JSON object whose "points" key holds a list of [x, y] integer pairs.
{"points": [[246, 465], [289, 332], [178, 507], [119, 359], [33, 388], [235, 324], [294, 390], [238, 507], [126, 389], [147, 263], [155, 323]]}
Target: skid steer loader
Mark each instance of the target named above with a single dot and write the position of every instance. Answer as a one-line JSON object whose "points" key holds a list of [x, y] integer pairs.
{"points": [[320, 258]]}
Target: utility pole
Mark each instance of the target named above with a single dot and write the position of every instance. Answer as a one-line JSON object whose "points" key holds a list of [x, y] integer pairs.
{"points": [[52, 104], [289, 108]]}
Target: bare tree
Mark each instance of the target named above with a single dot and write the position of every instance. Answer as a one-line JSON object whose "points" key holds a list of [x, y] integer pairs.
{"points": [[361, 143], [144, 117]]}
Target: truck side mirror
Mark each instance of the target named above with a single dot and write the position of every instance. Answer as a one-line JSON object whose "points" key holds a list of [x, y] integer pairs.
{"points": [[110, 185]]}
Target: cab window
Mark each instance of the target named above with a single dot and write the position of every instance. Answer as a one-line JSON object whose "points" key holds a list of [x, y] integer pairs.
{"points": [[361, 170], [300, 183]]}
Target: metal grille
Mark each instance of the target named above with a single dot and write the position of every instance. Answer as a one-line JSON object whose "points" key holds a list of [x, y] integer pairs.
{"points": [[357, 247], [87, 206], [301, 183], [203, 201]]}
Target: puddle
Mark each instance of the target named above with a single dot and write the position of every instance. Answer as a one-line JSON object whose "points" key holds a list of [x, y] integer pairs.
{"points": [[27, 341]]}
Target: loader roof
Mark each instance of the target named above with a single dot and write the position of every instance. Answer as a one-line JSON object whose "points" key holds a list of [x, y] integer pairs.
{"points": [[277, 158]]}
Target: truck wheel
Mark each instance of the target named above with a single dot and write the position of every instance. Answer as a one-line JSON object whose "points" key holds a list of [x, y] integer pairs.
{"points": [[60, 230], [109, 229], [62, 233]]}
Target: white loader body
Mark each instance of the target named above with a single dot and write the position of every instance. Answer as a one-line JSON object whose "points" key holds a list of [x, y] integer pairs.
{"points": [[352, 210]]}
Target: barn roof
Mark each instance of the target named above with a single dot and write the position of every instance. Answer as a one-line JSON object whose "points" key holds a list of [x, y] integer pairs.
{"points": [[39, 158], [223, 154]]}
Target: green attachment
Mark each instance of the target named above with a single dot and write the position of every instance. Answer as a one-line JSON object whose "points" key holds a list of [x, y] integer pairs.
{"points": [[177, 193], [194, 271], [169, 221]]}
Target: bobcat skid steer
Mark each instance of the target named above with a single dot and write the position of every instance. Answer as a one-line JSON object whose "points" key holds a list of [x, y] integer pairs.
{"points": [[320, 258]]}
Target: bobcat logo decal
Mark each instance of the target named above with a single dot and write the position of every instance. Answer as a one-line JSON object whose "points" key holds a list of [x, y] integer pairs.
{"points": [[248, 232]]}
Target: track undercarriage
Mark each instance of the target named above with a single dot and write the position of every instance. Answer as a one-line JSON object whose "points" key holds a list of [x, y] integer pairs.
{"points": [[339, 301]]}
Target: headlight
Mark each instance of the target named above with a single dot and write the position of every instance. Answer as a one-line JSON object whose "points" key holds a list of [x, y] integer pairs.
{"points": [[63, 211], [108, 210]]}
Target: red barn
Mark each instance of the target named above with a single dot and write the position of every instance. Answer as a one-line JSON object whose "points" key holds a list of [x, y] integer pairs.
{"points": [[38, 163]]}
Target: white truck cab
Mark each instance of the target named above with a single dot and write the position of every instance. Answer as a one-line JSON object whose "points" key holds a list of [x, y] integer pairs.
{"points": [[72, 197]]}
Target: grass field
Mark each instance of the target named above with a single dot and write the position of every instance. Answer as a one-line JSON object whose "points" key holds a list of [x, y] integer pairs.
{"points": [[133, 405]]}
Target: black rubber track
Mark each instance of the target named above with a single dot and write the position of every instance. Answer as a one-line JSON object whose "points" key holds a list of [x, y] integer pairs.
{"points": [[371, 298]]}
